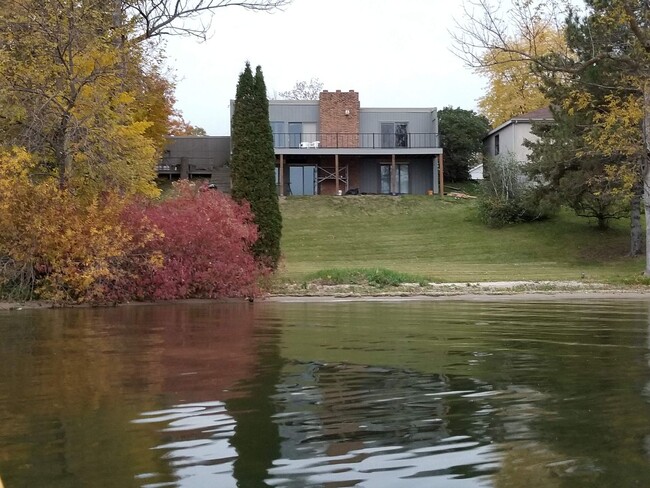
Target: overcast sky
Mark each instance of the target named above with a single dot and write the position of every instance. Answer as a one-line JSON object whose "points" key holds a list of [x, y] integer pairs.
{"points": [[394, 53]]}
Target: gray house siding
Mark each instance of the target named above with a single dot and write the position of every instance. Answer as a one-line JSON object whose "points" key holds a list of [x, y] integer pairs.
{"points": [[290, 112], [283, 113], [369, 177], [420, 174], [418, 122], [211, 149], [197, 156], [421, 125]]}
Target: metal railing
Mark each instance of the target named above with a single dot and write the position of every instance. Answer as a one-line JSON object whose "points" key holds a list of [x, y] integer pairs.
{"points": [[174, 165], [362, 140]]}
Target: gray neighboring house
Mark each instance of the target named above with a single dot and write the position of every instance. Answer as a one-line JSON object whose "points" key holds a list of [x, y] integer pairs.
{"points": [[329, 146], [508, 138], [197, 157]]}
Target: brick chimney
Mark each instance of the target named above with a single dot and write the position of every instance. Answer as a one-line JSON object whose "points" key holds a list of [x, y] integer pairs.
{"points": [[339, 114]]}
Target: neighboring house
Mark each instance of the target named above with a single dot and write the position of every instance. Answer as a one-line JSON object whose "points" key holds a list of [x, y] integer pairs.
{"points": [[476, 173], [330, 146], [333, 145], [508, 138], [197, 157]]}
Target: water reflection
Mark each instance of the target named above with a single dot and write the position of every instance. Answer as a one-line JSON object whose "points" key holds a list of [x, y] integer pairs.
{"points": [[72, 381], [351, 424], [550, 394], [199, 449]]}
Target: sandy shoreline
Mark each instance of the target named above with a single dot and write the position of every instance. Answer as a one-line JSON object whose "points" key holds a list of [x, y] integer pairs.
{"points": [[476, 291], [484, 297]]}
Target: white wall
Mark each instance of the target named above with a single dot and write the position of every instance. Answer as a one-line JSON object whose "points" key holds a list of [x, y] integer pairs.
{"points": [[511, 140]]}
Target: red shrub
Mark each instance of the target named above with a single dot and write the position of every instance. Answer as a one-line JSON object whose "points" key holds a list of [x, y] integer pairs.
{"points": [[200, 248]]}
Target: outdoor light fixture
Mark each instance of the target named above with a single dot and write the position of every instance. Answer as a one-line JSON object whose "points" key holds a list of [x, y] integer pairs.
{"points": [[347, 112]]}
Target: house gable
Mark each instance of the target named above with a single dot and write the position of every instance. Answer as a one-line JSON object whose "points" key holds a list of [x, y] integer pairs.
{"points": [[508, 138]]}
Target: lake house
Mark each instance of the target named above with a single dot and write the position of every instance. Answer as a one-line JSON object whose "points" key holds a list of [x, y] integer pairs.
{"points": [[329, 146], [333, 145]]}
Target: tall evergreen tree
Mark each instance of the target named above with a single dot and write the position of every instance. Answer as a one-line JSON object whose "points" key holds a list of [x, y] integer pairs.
{"points": [[253, 163]]}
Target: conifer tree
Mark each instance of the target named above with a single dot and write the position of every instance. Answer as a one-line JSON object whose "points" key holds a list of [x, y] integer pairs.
{"points": [[253, 163]]}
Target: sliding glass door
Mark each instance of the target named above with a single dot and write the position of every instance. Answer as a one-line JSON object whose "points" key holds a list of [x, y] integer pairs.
{"points": [[402, 177], [302, 180], [394, 134]]}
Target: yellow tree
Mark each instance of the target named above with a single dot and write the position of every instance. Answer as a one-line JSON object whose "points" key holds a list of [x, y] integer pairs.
{"points": [[617, 134], [502, 53], [54, 244], [65, 99], [513, 87]]}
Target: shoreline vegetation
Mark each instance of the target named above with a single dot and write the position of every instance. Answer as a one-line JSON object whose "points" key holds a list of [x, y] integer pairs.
{"points": [[430, 247]]}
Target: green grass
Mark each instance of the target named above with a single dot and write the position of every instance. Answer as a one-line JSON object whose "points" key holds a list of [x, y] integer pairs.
{"points": [[379, 277], [443, 240]]}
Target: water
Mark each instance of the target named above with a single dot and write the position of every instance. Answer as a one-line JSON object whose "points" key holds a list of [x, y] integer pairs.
{"points": [[372, 394]]}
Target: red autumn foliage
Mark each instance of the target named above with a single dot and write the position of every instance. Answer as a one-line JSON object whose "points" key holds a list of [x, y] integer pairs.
{"points": [[194, 245]]}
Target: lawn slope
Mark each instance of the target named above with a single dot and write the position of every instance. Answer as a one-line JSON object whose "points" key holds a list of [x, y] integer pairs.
{"points": [[443, 240]]}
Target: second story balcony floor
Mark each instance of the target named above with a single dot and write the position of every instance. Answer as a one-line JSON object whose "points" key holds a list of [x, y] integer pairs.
{"points": [[360, 140]]}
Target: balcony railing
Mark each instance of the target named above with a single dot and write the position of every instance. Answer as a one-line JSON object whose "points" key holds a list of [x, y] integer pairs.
{"points": [[361, 140], [173, 165]]}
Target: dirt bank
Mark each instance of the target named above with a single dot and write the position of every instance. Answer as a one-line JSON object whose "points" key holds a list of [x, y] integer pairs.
{"points": [[478, 291]]}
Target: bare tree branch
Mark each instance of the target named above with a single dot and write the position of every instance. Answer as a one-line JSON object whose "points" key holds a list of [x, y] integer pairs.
{"points": [[303, 90], [156, 18], [484, 35]]}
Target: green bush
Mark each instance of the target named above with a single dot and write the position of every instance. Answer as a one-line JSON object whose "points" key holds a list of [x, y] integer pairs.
{"points": [[379, 277], [507, 197]]}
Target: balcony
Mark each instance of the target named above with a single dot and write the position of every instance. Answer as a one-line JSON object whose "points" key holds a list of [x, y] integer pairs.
{"points": [[361, 140]]}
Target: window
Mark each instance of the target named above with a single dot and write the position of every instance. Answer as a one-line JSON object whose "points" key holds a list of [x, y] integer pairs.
{"points": [[401, 134], [496, 145], [394, 134], [309, 132], [402, 178], [384, 177], [295, 134], [278, 133]]}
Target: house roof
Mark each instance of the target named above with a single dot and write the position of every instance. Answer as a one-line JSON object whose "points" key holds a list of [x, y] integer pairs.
{"points": [[543, 113]]}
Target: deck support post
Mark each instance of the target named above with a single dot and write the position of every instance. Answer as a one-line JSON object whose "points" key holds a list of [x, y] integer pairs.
{"points": [[441, 177], [281, 175], [185, 169], [393, 175], [336, 172]]}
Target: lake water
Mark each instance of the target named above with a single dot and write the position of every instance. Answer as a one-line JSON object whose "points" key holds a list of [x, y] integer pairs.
{"points": [[372, 394]]}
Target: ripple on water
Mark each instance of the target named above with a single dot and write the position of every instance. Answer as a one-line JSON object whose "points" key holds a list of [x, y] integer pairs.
{"points": [[206, 458]]}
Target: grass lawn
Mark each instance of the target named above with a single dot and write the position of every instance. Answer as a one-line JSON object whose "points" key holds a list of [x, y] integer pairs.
{"points": [[443, 240]]}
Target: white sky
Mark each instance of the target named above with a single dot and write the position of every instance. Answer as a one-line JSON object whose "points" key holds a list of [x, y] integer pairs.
{"points": [[395, 53]]}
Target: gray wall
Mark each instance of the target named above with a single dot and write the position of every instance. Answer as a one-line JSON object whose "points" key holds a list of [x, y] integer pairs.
{"points": [[420, 174], [288, 111], [212, 150], [369, 177], [370, 119], [418, 121], [205, 156]]}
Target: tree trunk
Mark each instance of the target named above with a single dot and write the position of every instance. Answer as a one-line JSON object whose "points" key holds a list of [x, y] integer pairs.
{"points": [[636, 237], [646, 171]]}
